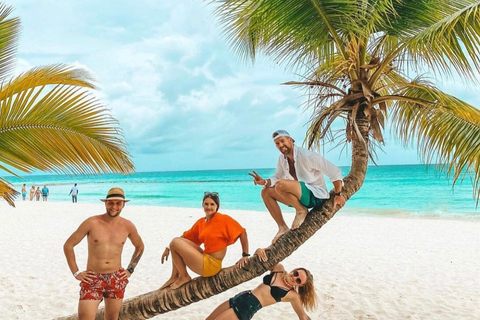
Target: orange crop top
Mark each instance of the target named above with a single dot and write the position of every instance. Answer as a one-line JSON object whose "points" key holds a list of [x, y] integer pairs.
{"points": [[216, 234]]}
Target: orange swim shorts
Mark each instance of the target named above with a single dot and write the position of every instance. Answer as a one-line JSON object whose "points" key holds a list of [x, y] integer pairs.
{"points": [[108, 286]]}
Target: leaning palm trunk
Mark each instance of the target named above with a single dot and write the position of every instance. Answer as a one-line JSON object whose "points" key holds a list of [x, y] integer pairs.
{"points": [[157, 302]]}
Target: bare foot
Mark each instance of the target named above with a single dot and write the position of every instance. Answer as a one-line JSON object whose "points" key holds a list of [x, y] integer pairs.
{"points": [[168, 283], [299, 218], [180, 282], [280, 233]]}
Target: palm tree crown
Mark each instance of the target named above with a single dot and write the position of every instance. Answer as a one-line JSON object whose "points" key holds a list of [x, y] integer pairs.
{"points": [[357, 56]]}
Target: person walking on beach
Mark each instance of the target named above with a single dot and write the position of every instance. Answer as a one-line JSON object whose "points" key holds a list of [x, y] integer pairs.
{"points": [[32, 193], [37, 194], [74, 193], [104, 276], [24, 192], [216, 231], [45, 193], [298, 182], [296, 287]]}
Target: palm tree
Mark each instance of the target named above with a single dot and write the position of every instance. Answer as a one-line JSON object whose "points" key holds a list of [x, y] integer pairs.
{"points": [[356, 56], [50, 121]]}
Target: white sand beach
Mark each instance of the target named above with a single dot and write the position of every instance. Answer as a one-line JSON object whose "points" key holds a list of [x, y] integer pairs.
{"points": [[364, 267]]}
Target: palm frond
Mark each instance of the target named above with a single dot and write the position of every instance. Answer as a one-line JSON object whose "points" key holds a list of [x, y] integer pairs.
{"points": [[65, 130], [9, 31], [409, 16], [451, 42], [7, 192], [290, 31], [46, 75], [453, 142]]}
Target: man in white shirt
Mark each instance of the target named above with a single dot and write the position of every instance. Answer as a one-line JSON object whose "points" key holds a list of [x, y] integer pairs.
{"points": [[298, 182], [74, 193]]}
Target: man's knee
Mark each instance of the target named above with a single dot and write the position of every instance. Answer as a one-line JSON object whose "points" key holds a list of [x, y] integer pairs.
{"points": [[267, 193], [281, 186]]}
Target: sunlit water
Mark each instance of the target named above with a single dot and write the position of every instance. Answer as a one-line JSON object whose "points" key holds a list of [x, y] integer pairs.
{"points": [[388, 190]]}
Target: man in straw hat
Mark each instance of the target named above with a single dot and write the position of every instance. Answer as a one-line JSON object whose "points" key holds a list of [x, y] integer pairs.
{"points": [[298, 182], [104, 276]]}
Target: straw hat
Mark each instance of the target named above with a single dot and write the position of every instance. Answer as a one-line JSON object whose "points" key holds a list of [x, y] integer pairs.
{"points": [[115, 194]]}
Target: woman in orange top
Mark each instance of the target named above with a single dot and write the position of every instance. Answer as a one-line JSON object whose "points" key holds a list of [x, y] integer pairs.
{"points": [[215, 231]]}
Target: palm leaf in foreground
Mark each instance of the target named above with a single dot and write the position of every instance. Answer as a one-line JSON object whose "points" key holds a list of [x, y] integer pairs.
{"points": [[7, 192], [59, 128]]}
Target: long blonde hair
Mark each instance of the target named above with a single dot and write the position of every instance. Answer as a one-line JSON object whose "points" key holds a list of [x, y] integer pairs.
{"points": [[307, 292]]}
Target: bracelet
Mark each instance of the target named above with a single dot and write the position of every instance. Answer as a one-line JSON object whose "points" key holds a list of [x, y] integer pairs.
{"points": [[266, 182], [130, 270], [244, 254], [77, 273]]}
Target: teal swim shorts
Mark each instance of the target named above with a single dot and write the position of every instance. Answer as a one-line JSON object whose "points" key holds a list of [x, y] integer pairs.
{"points": [[307, 198]]}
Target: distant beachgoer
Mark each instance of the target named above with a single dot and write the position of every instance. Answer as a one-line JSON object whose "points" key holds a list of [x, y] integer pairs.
{"points": [[216, 231], [32, 193], [24, 192], [37, 194], [74, 193], [104, 277], [296, 287], [45, 193], [298, 182]]}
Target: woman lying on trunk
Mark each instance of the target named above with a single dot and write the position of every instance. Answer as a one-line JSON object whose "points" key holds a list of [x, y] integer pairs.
{"points": [[295, 287]]}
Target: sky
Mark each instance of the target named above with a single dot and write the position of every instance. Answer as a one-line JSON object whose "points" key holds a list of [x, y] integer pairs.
{"points": [[183, 98]]}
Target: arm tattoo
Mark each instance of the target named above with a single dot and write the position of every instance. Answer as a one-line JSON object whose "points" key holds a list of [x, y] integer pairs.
{"points": [[135, 258]]}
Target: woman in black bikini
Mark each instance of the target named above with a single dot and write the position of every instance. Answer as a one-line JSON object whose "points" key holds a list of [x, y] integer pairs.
{"points": [[295, 287]]}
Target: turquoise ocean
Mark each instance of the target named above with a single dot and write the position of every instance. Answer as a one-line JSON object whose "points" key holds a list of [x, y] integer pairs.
{"points": [[397, 190]]}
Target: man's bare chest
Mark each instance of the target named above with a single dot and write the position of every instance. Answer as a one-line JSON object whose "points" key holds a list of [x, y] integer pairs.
{"points": [[107, 236]]}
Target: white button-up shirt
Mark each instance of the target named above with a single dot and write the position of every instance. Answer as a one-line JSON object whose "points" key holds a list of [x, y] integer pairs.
{"points": [[310, 168]]}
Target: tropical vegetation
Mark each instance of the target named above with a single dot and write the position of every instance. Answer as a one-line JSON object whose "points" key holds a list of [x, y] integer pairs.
{"points": [[50, 120], [362, 63]]}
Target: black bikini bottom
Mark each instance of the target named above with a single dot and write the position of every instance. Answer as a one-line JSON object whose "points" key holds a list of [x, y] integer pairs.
{"points": [[245, 305]]}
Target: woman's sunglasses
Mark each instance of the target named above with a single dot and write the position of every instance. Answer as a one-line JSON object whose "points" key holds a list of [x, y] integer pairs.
{"points": [[297, 279], [210, 194]]}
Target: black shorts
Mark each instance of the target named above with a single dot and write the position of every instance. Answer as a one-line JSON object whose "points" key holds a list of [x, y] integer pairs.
{"points": [[245, 305]]}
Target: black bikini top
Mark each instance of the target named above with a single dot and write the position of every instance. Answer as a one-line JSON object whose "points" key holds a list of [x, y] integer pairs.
{"points": [[277, 292]]}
